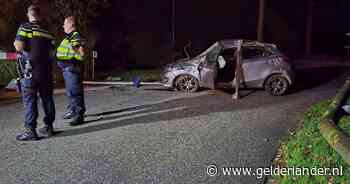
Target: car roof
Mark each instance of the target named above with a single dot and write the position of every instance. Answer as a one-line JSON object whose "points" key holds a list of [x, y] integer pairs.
{"points": [[232, 43]]}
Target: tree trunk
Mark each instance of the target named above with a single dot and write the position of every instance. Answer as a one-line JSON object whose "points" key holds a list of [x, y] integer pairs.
{"points": [[338, 101], [261, 15], [336, 138], [308, 32], [333, 135]]}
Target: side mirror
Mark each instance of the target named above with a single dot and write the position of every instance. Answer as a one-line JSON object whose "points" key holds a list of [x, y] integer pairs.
{"points": [[200, 66]]}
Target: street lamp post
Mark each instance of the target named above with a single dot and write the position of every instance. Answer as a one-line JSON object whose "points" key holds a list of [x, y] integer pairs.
{"points": [[261, 15], [173, 24]]}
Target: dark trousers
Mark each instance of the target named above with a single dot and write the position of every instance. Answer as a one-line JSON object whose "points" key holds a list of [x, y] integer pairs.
{"points": [[74, 88], [30, 89]]}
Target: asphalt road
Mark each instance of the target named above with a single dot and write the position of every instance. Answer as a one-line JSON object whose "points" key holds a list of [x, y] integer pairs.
{"points": [[152, 135]]}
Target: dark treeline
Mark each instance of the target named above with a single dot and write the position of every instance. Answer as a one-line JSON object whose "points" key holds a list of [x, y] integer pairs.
{"points": [[137, 34]]}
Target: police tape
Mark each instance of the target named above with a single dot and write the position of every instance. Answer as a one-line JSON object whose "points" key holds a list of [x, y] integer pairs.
{"points": [[8, 56]]}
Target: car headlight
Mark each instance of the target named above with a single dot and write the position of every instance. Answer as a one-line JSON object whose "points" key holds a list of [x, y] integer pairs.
{"points": [[165, 79], [167, 69]]}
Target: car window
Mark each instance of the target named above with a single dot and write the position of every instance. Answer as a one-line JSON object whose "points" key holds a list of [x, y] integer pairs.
{"points": [[228, 54], [254, 52]]}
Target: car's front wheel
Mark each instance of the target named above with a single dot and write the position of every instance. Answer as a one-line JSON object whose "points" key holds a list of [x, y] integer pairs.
{"points": [[276, 85], [186, 83]]}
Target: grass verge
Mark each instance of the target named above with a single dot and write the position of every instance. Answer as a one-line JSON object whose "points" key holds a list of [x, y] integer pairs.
{"points": [[8, 71], [306, 148]]}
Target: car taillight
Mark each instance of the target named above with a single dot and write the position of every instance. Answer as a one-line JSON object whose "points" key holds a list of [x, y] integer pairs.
{"points": [[286, 59], [288, 62]]}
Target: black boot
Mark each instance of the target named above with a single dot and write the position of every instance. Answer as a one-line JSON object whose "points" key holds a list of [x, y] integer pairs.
{"points": [[27, 135], [77, 120], [47, 131]]}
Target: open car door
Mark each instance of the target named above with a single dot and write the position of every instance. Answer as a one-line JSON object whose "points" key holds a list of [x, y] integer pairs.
{"points": [[208, 68], [208, 74]]}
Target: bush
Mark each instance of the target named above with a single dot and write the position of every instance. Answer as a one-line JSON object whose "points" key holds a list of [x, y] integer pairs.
{"points": [[7, 72]]}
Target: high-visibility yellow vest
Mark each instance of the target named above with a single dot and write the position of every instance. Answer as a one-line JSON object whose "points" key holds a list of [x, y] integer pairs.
{"points": [[34, 32], [65, 51]]}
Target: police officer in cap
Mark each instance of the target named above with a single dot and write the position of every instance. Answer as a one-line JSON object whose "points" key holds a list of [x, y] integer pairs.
{"points": [[34, 43]]}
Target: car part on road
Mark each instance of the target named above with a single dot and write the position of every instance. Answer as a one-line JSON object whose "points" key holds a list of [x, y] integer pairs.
{"points": [[120, 83]]}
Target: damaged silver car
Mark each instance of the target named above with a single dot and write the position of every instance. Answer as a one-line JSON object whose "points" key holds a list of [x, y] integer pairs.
{"points": [[263, 65]]}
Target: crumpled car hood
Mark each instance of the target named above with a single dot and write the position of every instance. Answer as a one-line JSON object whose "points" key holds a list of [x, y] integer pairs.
{"points": [[184, 63], [208, 55]]}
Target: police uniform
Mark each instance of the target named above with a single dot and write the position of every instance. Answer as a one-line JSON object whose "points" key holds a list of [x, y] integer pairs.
{"points": [[70, 62], [38, 42]]}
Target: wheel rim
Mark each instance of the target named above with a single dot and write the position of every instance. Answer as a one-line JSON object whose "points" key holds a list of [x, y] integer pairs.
{"points": [[277, 86], [186, 83]]}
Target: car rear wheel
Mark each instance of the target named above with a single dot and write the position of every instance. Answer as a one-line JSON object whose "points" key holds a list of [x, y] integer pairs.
{"points": [[187, 83], [276, 85]]}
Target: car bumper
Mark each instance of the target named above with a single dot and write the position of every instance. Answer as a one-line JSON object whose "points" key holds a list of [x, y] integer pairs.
{"points": [[167, 79], [290, 74]]}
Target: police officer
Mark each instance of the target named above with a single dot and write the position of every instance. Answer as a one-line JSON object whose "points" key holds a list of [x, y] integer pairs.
{"points": [[34, 42], [69, 56]]}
